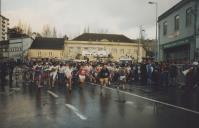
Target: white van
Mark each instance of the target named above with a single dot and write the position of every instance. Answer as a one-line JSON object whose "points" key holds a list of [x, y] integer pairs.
{"points": [[125, 61]]}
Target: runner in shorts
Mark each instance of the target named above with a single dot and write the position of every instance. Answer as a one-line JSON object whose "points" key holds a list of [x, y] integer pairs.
{"points": [[122, 77], [45, 74], [61, 74], [53, 74], [68, 74], [82, 75], [104, 76], [38, 73]]}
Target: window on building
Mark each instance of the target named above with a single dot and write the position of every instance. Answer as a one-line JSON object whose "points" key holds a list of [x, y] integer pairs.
{"points": [[177, 23], [122, 51], [78, 50], [71, 49], [129, 51], [61, 54], [100, 49], [39, 54], [50, 54], [165, 28], [114, 50], [189, 17], [135, 51]]}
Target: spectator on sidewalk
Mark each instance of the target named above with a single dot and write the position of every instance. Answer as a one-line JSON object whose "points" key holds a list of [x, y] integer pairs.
{"points": [[195, 74], [156, 74], [143, 70], [173, 72], [191, 77], [3, 68], [11, 66], [150, 69]]}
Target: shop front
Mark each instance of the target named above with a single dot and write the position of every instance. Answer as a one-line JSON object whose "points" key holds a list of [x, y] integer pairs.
{"points": [[181, 51], [178, 54]]}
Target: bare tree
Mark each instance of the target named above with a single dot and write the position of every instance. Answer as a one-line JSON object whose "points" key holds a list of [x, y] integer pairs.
{"points": [[87, 29], [102, 31], [149, 46], [54, 33], [20, 26], [46, 31], [29, 30], [24, 27]]}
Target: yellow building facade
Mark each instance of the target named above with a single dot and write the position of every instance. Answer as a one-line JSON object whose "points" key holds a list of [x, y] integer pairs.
{"points": [[116, 49], [50, 48], [50, 54], [88, 45]]}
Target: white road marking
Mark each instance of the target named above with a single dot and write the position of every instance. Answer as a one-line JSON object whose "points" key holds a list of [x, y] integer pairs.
{"points": [[7, 93], [76, 111], [10, 93], [152, 100], [15, 89], [53, 94], [129, 102]]}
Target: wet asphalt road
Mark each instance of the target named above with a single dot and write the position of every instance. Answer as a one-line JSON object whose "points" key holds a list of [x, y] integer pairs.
{"points": [[28, 107]]}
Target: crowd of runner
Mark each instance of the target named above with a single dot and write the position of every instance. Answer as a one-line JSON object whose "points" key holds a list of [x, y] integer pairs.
{"points": [[58, 73]]}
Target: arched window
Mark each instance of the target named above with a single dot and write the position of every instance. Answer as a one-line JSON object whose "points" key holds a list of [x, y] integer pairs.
{"points": [[165, 26], [177, 23], [189, 17]]}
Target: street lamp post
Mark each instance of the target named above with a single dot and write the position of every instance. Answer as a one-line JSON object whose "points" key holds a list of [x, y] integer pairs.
{"points": [[140, 41], [156, 27], [0, 7], [195, 27]]}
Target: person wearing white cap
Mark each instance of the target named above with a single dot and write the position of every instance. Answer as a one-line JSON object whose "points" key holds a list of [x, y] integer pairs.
{"points": [[195, 74], [195, 63]]}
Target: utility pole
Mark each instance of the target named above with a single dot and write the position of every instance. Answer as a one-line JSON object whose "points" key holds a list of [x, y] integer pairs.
{"points": [[195, 27], [156, 35], [139, 42]]}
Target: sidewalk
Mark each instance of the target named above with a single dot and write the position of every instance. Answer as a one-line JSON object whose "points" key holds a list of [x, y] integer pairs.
{"points": [[172, 95]]}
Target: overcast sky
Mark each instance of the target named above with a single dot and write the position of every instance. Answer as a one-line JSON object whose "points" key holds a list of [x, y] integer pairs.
{"points": [[72, 16]]}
